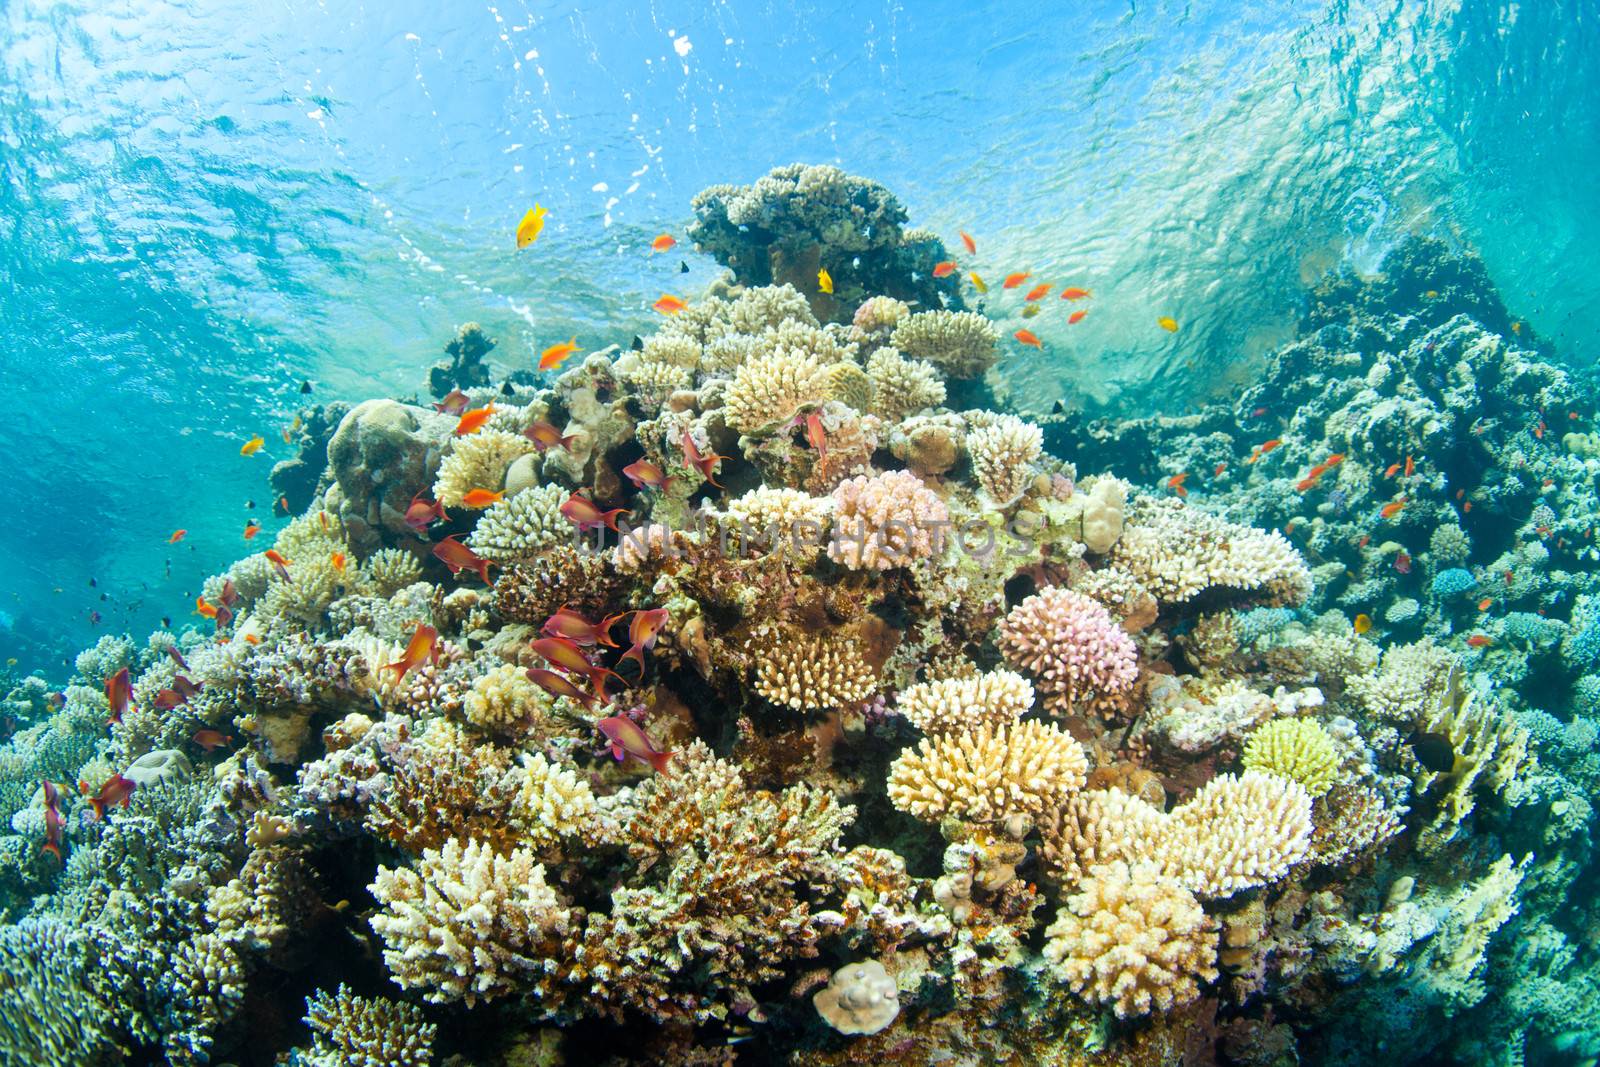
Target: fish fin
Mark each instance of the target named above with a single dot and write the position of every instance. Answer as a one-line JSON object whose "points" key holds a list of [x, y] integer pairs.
{"points": [[51, 847], [635, 653], [659, 761], [618, 751], [99, 807]]}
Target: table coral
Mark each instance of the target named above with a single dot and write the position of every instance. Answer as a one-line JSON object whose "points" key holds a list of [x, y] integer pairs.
{"points": [[1178, 552]]}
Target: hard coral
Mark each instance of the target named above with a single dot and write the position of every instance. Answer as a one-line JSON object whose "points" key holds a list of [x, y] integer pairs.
{"points": [[988, 773], [1297, 749], [1071, 645], [886, 521]]}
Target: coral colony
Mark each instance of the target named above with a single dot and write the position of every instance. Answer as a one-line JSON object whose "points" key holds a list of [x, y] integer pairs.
{"points": [[877, 732]]}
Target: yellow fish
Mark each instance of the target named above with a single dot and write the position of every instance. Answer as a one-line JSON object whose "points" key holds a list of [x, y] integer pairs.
{"points": [[1362, 623], [824, 280], [252, 446], [1030, 311], [531, 226], [1168, 323], [977, 282]]}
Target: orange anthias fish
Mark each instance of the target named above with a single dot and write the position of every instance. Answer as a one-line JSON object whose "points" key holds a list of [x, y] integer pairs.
{"points": [[816, 436], [279, 564], [1077, 317], [252, 446], [209, 739], [1485, 603], [473, 421], [646, 475], [556, 355], [669, 304], [562, 652], [53, 822], [966, 239], [945, 268], [1175, 483], [115, 790], [338, 561], [204, 610], [1411, 467], [569, 624], [545, 436], [557, 685], [663, 242], [705, 464], [585, 515], [627, 739], [177, 535], [1038, 292], [251, 528], [454, 403], [1073, 293], [481, 498], [423, 646], [642, 633], [1028, 337], [420, 514], [1392, 509], [1014, 280], [119, 694], [458, 557], [1218, 472], [1394, 468], [1479, 641]]}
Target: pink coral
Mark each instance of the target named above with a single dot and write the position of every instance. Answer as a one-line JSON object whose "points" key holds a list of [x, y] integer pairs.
{"points": [[886, 520], [1071, 644]]}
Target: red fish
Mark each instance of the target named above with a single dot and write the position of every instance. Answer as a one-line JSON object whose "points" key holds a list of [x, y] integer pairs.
{"points": [[1218, 472], [424, 645], [663, 242], [1394, 468], [251, 528], [1485, 603], [115, 790], [177, 657], [966, 239], [562, 652], [816, 436], [705, 464], [1268, 446], [1411, 467], [203, 609], [642, 633], [454, 403], [545, 436], [627, 739], [557, 685], [558, 354], [1071, 293], [481, 498], [1389, 511], [53, 822], [1402, 563], [1038, 292], [1333, 461], [184, 688], [1479, 641], [119, 694], [1175, 483], [458, 557], [177, 535], [473, 421], [944, 269], [1028, 337], [229, 596], [1076, 317], [669, 304], [224, 617], [420, 514], [167, 699], [569, 624], [1258, 413], [1014, 280], [582, 513], [279, 564], [646, 475], [337, 559], [209, 739]]}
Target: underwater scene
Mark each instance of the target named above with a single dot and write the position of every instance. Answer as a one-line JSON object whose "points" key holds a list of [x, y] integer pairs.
{"points": [[733, 533]]}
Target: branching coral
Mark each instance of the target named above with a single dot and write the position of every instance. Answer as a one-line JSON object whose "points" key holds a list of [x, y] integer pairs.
{"points": [[520, 527], [900, 386], [1133, 939], [1003, 452], [961, 343], [781, 521], [552, 803], [1298, 749], [988, 773], [1071, 645], [352, 1031], [886, 521], [1179, 552], [477, 461], [800, 670], [503, 701], [1238, 832], [771, 387], [952, 705]]}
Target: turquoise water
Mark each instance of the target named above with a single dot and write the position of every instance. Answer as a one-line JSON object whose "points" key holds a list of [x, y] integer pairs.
{"points": [[1305, 486]]}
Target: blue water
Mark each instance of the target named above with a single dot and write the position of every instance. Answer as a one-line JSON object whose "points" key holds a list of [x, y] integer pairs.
{"points": [[204, 204]]}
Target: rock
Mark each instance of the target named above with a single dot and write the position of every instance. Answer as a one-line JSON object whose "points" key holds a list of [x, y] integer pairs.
{"points": [[861, 998], [383, 454]]}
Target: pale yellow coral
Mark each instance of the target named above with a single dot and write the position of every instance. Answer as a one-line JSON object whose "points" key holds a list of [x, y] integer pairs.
{"points": [[389, 570], [467, 924], [477, 461], [849, 384], [950, 705], [1099, 826], [1178, 552], [504, 700], [1003, 453], [1297, 749], [772, 387], [988, 773], [1133, 939], [781, 521], [901, 386], [810, 671], [520, 527], [963, 344], [553, 802], [1238, 832]]}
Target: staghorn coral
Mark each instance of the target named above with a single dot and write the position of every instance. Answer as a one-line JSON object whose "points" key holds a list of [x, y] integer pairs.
{"points": [[988, 773], [1003, 453], [960, 343], [353, 1031], [521, 527], [1133, 939], [49, 1010], [1297, 749], [1071, 645], [468, 923], [1178, 552], [810, 671], [952, 705], [886, 521], [477, 461]]}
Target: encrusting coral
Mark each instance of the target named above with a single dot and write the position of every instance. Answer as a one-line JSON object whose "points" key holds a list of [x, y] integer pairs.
{"points": [[897, 730]]}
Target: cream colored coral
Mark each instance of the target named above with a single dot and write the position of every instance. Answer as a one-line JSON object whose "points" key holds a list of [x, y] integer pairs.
{"points": [[315, 582], [1100, 826], [553, 802], [1134, 940], [477, 461], [504, 700], [467, 924], [646, 544], [353, 1031], [961, 343], [885, 521], [860, 998], [1297, 749], [522, 526], [988, 773], [1238, 832], [653, 382], [1178, 552], [1003, 454], [389, 570], [810, 671], [1410, 681], [781, 521], [849, 384], [772, 387], [951, 705], [901, 386], [877, 317]]}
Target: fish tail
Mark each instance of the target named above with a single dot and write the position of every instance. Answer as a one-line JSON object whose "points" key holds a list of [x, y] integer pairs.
{"points": [[53, 848], [483, 571], [635, 653], [99, 807], [659, 760]]}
